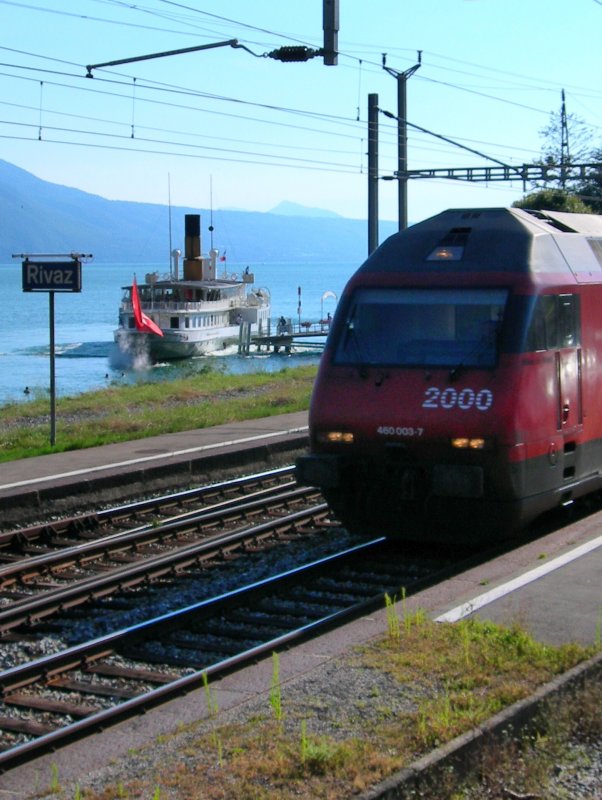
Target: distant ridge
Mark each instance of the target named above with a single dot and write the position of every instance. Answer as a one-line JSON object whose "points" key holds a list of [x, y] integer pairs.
{"points": [[288, 209], [41, 217]]}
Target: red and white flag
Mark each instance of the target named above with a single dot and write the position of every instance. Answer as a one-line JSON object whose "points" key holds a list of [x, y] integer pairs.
{"points": [[143, 323], [223, 258]]}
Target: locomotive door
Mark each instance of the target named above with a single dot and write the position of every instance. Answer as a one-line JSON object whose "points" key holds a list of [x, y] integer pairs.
{"points": [[568, 375], [569, 379]]}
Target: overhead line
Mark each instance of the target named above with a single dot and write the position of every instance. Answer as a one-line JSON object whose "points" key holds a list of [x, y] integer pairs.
{"points": [[305, 166], [169, 89], [152, 86]]}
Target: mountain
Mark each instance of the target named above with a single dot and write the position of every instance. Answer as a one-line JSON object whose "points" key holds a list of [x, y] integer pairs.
{"points": [[288, 209], [41, 217]]}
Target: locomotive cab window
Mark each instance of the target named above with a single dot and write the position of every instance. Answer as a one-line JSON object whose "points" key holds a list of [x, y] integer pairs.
{"points": [[422, 327], [555, 323]]}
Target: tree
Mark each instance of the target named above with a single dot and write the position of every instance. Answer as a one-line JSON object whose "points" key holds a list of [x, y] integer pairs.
{"points": [[554, 200], [567, 140], [590, 188]]}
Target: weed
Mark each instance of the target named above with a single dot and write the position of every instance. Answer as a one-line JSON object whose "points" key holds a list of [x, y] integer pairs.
{"points": [[213, 710], [211, 703], [275, 689], [304, 741], [392, 619], [316, 755], [54, 779], [465, 631]]}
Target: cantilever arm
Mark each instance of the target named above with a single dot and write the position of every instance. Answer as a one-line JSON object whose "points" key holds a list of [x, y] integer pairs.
{"points": [[228, 43]]}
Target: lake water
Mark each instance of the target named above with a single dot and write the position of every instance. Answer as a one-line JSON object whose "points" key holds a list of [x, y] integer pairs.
{"points": [[84, 325]]}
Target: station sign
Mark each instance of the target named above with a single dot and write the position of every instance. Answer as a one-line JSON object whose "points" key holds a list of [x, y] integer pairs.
{"points": [[52, 276]]}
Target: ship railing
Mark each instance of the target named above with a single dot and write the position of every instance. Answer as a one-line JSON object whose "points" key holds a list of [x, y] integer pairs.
{"points": [[189, 305]]}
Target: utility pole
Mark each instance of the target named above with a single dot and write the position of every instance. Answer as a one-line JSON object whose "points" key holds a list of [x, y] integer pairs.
{"points": [[372, 172], [330, 25], [564, 144], [402, 137]]}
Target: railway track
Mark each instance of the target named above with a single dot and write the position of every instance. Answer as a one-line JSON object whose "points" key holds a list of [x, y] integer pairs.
{"points": [[15, 543], [45, 580], [71, 693]]}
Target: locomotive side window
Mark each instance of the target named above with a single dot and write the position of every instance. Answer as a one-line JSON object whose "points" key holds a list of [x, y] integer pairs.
{"points": [[555, 323], [568, 320], [422, 327]]}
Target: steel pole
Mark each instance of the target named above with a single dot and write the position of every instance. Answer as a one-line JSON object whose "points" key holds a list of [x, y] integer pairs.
{"points": [[372, 172], [52, 380], [402, 152]]}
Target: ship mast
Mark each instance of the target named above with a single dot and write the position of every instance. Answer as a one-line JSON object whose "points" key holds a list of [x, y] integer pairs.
{"points": [[211, 210], [169, 206]]}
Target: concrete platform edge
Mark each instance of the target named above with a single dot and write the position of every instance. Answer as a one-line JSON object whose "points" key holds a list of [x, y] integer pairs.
{"points": [[79, 493], [462, 753]]}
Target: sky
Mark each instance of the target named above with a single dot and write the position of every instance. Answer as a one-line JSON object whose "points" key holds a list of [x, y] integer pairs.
{"points": [[233, 127]]}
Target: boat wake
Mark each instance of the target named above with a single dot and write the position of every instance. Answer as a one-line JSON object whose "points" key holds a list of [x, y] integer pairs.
{"points": [[71, 350], [125, 357]]}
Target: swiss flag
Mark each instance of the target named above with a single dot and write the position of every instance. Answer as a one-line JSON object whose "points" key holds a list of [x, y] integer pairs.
{"points": [[143, 323]]}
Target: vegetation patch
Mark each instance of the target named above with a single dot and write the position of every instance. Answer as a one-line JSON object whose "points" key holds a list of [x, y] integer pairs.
{"points": [[360, 719], [124, 413]]}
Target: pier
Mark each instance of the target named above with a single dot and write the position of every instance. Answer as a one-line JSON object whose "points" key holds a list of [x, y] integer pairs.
{"points": [[283, 336]]}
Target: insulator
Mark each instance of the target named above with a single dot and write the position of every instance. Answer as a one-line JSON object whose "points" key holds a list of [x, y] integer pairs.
{"points": [[299, 53]]}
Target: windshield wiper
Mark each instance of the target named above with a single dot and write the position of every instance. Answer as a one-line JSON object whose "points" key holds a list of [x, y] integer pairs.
{"points": [[484, 342], [351, 334]]}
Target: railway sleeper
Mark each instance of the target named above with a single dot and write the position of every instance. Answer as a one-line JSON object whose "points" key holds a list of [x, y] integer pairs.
{"points": [[243, 629], [131, 673], [99, 689], [29, 727], [49, 705]]}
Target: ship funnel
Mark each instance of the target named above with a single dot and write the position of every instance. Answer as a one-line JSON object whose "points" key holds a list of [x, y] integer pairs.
{"points": [[192, 247]]}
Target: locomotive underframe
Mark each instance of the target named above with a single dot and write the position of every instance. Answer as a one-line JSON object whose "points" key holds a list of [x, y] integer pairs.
{"points": [[463, 501]]}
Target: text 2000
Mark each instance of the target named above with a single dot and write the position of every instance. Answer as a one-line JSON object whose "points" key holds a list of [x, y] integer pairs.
{"points": [[464, 399]]}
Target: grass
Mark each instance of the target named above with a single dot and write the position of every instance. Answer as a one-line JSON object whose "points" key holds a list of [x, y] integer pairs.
{"points": [[124, 413], [440, 680]]}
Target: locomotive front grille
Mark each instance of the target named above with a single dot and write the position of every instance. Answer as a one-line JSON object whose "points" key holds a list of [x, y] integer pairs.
{"points": [[457, 480], [402, 474]]}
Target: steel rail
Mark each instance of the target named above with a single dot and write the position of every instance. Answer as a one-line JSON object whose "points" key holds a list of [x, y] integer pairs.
{"points": [[144, 535], [84, 657], [31, 610], [92, 521]]}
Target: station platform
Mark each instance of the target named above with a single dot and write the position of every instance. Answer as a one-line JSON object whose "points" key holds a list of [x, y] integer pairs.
{"points": [[77, 478]]}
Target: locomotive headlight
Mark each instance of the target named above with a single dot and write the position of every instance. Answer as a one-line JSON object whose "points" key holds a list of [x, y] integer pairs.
{"points": [[472, 443], [335, 437]]}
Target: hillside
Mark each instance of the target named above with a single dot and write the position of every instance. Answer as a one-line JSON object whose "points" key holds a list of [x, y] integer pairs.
{"points": [[41, 217]]}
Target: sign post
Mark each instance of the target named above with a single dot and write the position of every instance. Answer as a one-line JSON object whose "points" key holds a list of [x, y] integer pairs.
{"points": [[51, 277]]}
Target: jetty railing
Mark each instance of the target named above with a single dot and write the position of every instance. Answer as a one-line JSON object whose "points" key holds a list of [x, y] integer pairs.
{"points": [[283, 334]]}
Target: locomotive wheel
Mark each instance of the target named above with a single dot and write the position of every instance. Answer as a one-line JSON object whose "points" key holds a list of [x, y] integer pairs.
{"points": [[369, 513], [347, 508]]}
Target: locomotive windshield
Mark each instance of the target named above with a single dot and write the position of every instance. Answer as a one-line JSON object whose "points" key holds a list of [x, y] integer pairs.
{"points": [[422, 327]]}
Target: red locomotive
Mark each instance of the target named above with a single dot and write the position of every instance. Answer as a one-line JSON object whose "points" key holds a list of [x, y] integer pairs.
{"points": [[460, 390]]}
